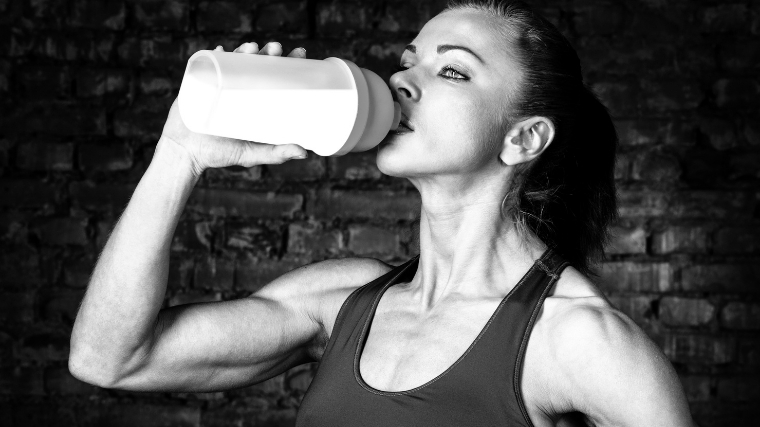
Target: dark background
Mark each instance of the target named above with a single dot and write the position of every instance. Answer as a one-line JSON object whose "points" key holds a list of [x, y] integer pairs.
{"points": [[85, 87]]}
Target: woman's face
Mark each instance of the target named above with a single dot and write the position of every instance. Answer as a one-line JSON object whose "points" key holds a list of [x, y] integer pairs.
{"points": [[455, 93]]}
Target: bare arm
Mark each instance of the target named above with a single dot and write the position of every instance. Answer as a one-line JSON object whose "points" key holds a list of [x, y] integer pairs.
{"points": [[122, 339], [614, 374]]}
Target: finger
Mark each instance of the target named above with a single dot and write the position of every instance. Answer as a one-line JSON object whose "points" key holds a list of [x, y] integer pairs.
{"points": [[248, 48], [258, 154], [219, 48], [298, 52], [271, 48]]}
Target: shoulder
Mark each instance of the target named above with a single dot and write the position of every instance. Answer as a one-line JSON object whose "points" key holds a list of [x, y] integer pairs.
{"points": [[610, 369], [324, 278], [317, 291]]}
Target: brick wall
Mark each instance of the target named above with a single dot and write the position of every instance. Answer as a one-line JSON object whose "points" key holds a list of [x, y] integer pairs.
{"points": [[85, 88]]}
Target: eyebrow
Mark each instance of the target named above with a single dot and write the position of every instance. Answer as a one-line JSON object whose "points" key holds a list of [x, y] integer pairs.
{"points": [[443, 48]]}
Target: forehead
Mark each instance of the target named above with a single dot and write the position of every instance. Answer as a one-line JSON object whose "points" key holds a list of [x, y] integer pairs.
{"points": [[472, 28]]}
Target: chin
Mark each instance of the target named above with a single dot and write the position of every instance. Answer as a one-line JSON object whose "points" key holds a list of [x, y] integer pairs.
{"points": [[395, 159]]}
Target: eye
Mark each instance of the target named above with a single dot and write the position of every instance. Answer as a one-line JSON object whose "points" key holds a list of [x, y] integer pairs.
{"points": [[400, 68], [451, 73]]}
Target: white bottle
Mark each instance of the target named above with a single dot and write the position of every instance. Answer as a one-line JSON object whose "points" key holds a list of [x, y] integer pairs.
{"points": [[330, 106]]}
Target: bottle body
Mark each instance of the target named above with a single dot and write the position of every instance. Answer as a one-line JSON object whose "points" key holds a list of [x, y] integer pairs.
{"points": [[327, 106]]}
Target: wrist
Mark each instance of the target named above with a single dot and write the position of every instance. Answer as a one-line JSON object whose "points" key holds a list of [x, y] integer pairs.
{"points": [[170, 155]]}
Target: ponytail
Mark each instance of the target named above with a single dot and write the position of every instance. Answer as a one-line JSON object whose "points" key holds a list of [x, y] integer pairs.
{"points": [[566, 197]]}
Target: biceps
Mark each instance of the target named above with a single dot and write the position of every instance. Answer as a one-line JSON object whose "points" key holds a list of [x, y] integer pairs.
{"points": [[221, 345]]}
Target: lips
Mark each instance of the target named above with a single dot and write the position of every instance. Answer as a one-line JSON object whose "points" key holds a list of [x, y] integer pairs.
{"points": [[403, 125]]}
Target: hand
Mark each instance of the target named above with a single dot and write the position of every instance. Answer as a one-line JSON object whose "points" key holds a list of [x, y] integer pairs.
{"points": [[208, 151]]}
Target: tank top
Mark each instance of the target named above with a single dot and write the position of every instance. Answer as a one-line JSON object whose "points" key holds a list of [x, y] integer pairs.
{"points": [[481, 388]]}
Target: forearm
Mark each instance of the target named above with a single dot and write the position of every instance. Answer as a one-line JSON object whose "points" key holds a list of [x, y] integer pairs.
{"points": [[116, 320]]}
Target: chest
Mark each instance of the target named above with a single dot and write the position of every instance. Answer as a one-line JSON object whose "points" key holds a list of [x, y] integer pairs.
{"points": [[404, 350]]}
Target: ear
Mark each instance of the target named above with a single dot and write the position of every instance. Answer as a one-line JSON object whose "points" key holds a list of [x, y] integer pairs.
{"points": [[526, 140]]}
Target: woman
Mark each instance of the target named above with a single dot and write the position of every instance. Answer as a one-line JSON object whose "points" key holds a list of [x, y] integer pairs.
{"points": [[489, 326]]}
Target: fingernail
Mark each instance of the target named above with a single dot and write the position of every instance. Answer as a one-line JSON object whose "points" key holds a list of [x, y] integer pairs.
{"points": [[299, 156], [302, 49]]}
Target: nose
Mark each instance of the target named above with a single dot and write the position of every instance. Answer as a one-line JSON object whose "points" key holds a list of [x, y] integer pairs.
{"points": [[403, 87]]}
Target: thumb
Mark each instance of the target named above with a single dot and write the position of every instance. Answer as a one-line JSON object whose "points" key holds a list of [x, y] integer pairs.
{"points": [[257, 153]]}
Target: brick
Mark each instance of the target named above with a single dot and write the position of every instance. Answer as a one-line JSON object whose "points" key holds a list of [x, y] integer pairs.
{"points": [[46, 14], [181, 271], [149, 415], [696, 387], [44, 347], [105, 157], [194, 297], [720, 133], [17, 307], [19, 267], [711, 205], [627, 240], [700, 349], [153, 15], [654, 132], [308, 169], [249, 237], [367, 204], [744, 165], [233, 174], [63, 231], [620, 97], [342, 18], [44, 81], [638, 307], [740, 315], [312, 238], [288, 17], [723, 18], [196, 235], [60, 119], [661, 96], [730, 278], [656, 167], [736, 92], [739, 56], [355, 166], [403, 16], [223, 16], [98, 15], [101, 197], [21, 381], [61, 307], [739, 389], [251, 273], [636, 277], [678, 311], [636, 203], [158, 51], [244, 203], [93, 82], [367, 240], [599, 18], [59, 381], [7, 344], [680, 239], [749, 352], [13, 228], [752, 132], [150, 84], [77, 270], [737, 240], [214, 273], [622, 167], [43, 156]]}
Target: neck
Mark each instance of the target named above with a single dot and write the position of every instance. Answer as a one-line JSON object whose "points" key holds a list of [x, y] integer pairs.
{"points": [[468, 249]]}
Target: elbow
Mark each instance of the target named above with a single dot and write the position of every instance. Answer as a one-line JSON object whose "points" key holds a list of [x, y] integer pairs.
{"points": [[90, 371]]}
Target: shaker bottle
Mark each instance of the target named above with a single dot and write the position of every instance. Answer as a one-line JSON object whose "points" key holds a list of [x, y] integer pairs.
{"points": [[330, 106]]}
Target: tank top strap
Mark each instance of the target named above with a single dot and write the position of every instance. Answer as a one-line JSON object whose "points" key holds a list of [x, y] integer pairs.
{"points": [[352, 313], [548, 269]]}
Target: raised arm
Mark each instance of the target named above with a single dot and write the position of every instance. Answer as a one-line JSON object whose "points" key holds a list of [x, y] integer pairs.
{"points": [[122, 339]]}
